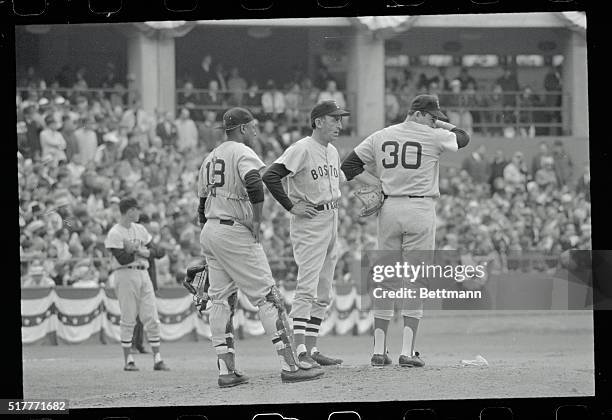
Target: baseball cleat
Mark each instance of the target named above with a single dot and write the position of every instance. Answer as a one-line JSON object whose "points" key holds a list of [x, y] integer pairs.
{"points": [[130, 367], [304, 361], [301, 375], [232, 379], [411, 361], [324, 360], [381, 359], [160, 366]]}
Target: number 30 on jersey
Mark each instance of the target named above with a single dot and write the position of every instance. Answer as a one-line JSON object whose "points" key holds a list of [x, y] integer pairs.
{"points": [[409, 149]]}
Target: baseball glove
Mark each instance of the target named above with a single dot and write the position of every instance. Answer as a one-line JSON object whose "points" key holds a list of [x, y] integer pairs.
{"points": [[372, 199]]}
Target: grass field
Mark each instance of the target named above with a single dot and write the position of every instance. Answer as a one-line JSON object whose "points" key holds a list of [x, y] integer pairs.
{"points": [[530, 354]]}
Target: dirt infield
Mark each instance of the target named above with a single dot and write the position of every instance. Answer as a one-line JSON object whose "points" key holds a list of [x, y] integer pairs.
{"points": [[535, 354]]}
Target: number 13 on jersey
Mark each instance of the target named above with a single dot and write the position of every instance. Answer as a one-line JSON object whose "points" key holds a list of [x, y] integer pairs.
{"points": [[409, 155]]}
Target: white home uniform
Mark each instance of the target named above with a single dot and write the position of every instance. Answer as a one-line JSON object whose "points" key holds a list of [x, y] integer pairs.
{"points": [[315, 178], [405, 157]]}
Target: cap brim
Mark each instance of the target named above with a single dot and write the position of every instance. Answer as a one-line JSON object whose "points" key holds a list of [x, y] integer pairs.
{"points": [[339, 112], [439, 115]]}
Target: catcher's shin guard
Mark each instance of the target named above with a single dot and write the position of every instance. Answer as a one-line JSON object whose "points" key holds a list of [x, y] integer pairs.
{"points": [[276, 323], [196, 281]]}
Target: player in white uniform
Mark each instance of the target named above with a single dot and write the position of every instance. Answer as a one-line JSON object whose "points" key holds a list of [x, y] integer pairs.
{"points": [[405, 160], [312, 168], [131, 246], [231, 201]]}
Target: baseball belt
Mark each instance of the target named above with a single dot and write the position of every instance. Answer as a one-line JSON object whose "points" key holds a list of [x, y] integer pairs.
{"points": [[327, 206]]}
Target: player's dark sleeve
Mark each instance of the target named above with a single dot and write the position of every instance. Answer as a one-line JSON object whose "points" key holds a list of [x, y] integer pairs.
{"points": [[201, 212], [463, 138], [122, 256], [352, 166], [155, 251], [254, 186], [272, 178]]}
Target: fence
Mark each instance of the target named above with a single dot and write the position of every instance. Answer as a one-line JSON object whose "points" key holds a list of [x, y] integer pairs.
{"points": [[122, 97], [199, 102], [508, 114]]}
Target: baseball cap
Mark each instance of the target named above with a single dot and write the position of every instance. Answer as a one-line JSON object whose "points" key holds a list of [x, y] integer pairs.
{"points": [[327, 108], [235, 117], [427, 103], [127, 203]]}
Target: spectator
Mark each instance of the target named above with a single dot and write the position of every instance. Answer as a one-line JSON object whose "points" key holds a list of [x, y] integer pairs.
{"points": [[80, 83], [187, 132], [221, 78], [465, 78], [108, 152], [292, 104], [188, 97], [527, 101], [509, 84], [209, 134], [132, 149], [543, 152], [405, 97], [545, 177], [205, 73], [252, 100], [583, 186], [392, 107], [30, 147], [272, 101], [331, 93], [67, 131], [166, 130], [422, 84], [564, 167], [110, 80], [37, 277], [87, 141], [515, 173], [477, 166], [554, 88], [52, 142], [212, 99], [456, 104], [237, 86], [308, 99], [441, 79]]}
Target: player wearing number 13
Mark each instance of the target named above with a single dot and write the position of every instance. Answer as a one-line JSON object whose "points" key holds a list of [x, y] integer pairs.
{"points": [[405, 161]]}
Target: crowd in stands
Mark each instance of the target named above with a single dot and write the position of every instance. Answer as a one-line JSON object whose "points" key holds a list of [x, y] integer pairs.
{"points": [[79, 155], [210, 89], [503, 109]]}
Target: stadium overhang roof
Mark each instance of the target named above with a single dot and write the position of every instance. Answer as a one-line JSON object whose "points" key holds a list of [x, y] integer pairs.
{"points": [[571, 20]]}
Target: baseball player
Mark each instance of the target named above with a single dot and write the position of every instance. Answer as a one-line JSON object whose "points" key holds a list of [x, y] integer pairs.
{"points": [[231, 201], [405, 159], [131, 245], [312, 169]]}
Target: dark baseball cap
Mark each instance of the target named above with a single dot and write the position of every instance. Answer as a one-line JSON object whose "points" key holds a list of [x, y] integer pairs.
{"points": [[127, 203], [327, 108], [235, 117], [427, 103]]}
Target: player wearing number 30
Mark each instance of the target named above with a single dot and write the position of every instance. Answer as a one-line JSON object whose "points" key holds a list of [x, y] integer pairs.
{"points": [[231, 201], [405, 160]]}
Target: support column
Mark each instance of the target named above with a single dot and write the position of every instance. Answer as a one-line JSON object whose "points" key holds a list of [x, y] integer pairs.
{"points": [[152, 62], [366, 82], [575, 82]]}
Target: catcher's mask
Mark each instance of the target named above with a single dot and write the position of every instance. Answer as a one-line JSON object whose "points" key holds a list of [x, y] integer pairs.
{"points": [[196, 281]]}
